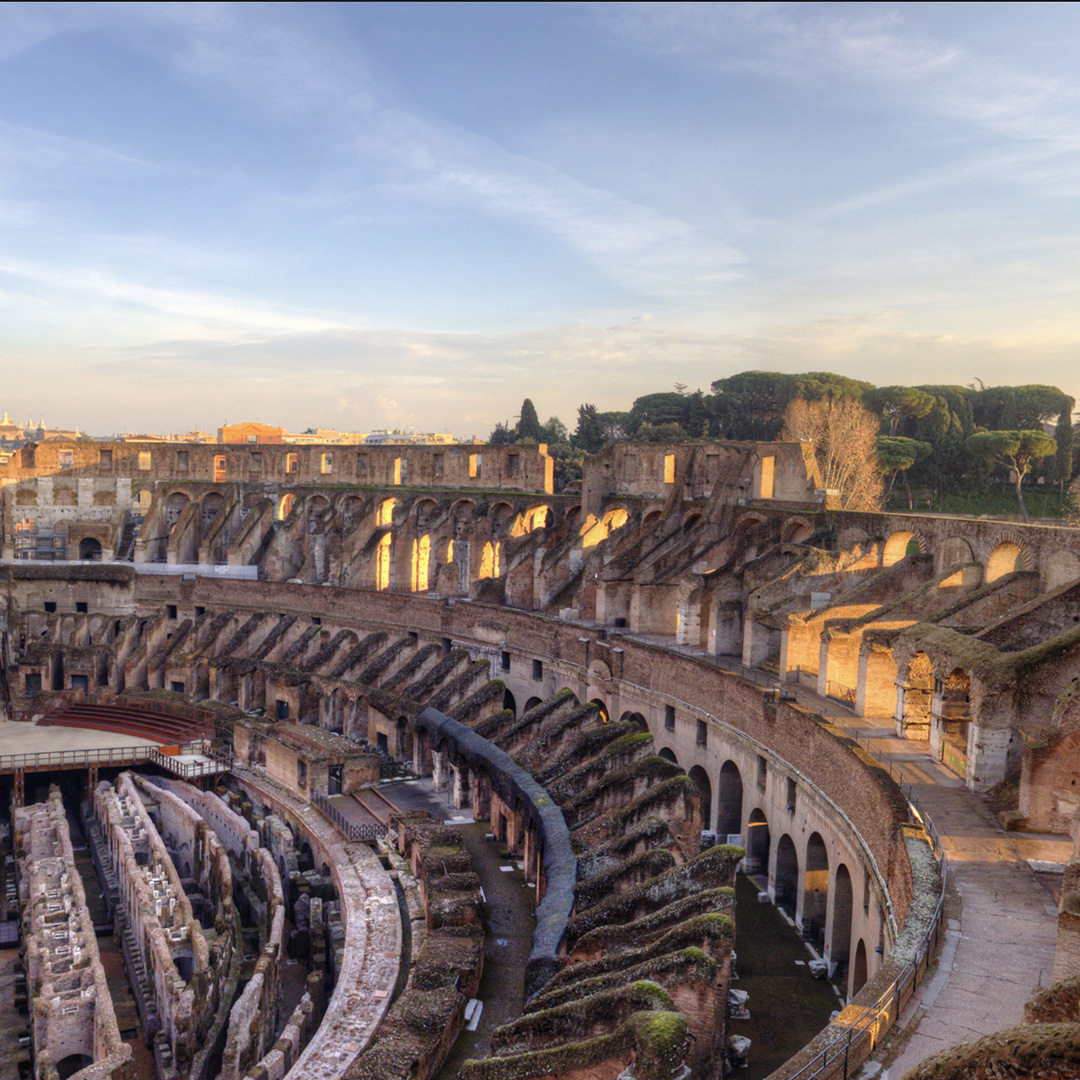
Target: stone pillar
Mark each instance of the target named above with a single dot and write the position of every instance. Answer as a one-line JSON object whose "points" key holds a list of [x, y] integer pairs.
{"points": [[532, 853], [440, 771], [988, 754], [482, 797], [459, 796]]}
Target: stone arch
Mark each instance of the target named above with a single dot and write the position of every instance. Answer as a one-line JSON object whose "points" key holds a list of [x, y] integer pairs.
{"points": [[285, 506], [614, 519], [730, 800], [174, 507], [758, 843], [351, 509], [899, 545], [1007, 557], [637, 718], [704, 786], [90, 549], [815, 899], [786, 877], [461, 514], [532, 703], [383, 561], [858, 972], [509, 702], [421, 563], [1061, 567], [840, 926], [212, 503], [424, 513], [536, 517], [668, 755], [602, 708], [73, 1063], [652, 520], [691, 521], [384, 511], [316, 508], [501, 518], [796, 530], [143, 499], [955, 551]]}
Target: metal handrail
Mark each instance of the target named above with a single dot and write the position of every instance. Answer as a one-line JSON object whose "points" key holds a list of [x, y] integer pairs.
{"points": [[352, 831], [112, 755]]}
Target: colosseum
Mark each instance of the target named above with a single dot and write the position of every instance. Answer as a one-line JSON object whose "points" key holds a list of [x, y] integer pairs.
{"points": [[256, 694]]}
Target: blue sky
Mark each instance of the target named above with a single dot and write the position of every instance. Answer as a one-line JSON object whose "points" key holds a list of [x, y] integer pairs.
{"points": [[416, 215]]}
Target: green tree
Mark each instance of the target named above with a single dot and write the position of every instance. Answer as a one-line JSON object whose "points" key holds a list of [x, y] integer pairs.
{"points": [[1015, 450], [1063, 436], [896, 403], [656, 409], [503, 435], [589, 435], [529, 423], [896, 455]]}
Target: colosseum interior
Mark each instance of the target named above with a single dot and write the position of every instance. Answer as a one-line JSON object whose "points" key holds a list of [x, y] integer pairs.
{"points": [[306, 670]]}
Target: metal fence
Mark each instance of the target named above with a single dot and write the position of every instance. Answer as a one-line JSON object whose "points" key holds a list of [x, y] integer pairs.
{"points": [[74, 759], [352, 831]]}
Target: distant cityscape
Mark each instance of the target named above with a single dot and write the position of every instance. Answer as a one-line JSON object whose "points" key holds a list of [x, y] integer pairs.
{"points": [[15, 434]]}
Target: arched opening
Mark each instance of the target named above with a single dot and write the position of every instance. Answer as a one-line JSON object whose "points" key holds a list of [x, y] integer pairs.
{"points": [[692, 521], [143, 501], [211, 507], [72, 1064], [384, 513], [602, 708], [317, 506], [899, 545], [858, 974], [382, 562], [90, 549], [637, 718], [403, 733], [174, 507], [1004, 559], [668, 755], [757, 843], [421, 563], [285, 506], [815, 890], [701, 779], [509, 702], [840, 938], [729, 806], [796, 532], [532, 703], [786, 890]]}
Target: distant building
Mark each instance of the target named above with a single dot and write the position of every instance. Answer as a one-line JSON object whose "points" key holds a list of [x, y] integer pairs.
{"points": [[251, 434]]}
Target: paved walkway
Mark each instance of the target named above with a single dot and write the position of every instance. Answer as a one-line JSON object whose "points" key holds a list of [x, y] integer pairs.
{"points": [[1001, 921]]}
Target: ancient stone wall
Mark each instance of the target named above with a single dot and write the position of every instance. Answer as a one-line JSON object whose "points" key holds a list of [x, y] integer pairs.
{"points": [[73, 1025]]}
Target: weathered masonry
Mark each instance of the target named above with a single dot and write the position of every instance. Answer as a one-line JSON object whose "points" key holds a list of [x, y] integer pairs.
{"points": [[463, 620]]}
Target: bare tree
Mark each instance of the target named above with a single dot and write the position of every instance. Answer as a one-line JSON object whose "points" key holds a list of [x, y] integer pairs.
{"points": [[844, 434]]}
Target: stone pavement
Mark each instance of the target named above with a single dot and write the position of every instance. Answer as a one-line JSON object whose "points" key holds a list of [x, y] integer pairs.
{"points": [[998, 947]]}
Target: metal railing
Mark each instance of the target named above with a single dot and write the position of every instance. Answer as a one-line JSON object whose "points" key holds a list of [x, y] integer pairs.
{"points": [[73, 759], [216, 761], [352, 831]]}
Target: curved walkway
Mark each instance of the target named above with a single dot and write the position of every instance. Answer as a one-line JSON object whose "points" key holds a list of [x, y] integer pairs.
{"points": [[998, 948]]}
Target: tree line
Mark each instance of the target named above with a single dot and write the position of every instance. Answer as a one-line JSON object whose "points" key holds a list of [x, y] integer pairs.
{"points": [[940, 439]]}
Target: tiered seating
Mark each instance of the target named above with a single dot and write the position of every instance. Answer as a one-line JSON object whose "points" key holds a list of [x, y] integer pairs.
{"points": [[165, 729]]}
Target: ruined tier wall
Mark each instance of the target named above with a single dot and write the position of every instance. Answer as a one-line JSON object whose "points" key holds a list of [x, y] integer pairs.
{"points": [[169, 945], [71, 1009], [137, 465], [252, 1026]]}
